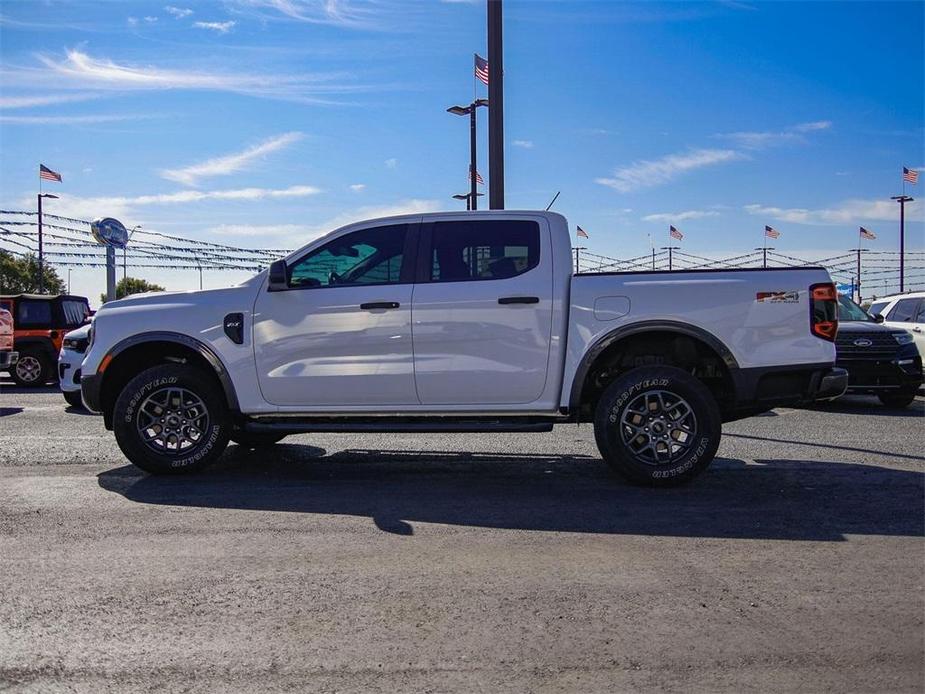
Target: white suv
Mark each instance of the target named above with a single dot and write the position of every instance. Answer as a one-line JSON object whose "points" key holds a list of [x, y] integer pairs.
{"points": [[903, 311]]}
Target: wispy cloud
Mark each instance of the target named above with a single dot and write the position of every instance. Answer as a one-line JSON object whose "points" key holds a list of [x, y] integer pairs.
{"points": [[344, 13], [178, 12], [256, 229], [649, 173], [679, 216], [847, 212], [358, 187], [119, 206], [75, 120], [772, 138], [391, 163], [78, 69], [525, 144], [218, 27], [10, 102], [230, 163], [296, 235]]}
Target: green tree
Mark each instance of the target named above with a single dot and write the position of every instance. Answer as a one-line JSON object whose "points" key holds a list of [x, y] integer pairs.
{"points": [[19, 275], [132, 285]]}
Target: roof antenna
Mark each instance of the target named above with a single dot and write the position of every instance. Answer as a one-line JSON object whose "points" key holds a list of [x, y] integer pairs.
{"points": [[553, 200]]}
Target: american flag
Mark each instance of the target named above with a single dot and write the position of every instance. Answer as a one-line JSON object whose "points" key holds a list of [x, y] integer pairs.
{"points": [[48, 174], [481, 69], [478, 178], [909, 175], [581, 232], [867, 234], [771, 232], [675, 234]]}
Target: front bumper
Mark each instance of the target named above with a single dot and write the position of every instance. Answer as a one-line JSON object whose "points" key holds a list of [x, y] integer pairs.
{"points": [[8, 359], [875, 376], [90, 392], [69, 370]]}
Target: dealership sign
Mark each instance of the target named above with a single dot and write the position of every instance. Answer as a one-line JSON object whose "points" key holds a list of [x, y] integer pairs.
{"points": [[109, 232]]}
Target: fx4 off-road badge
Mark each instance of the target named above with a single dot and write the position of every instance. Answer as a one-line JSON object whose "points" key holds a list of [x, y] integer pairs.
{"points": [[791, 297]]}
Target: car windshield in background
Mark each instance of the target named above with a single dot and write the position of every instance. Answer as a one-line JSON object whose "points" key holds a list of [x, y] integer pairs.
{"points": [[850, 311], [877, 307]]}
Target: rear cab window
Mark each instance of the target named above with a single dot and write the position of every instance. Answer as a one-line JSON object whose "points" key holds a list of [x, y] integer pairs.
{"points": [[483, 249], [76, 312]]}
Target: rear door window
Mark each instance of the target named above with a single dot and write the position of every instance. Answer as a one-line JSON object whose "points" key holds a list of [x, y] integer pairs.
{"points": [[483, 249], [904, 311]]}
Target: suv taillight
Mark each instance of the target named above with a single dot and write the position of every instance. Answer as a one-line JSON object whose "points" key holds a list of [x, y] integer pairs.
{"points": [[823, 311]]}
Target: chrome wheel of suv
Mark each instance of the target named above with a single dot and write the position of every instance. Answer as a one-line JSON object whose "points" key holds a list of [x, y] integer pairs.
{"points": [[172, 421]]}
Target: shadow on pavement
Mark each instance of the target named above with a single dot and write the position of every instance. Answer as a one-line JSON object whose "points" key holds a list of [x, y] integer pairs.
{"points": [[7, 411], [782, 499]]}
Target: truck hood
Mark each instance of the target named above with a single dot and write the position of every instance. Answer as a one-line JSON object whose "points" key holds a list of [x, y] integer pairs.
{"points": [[201, 297], [856, 327]]}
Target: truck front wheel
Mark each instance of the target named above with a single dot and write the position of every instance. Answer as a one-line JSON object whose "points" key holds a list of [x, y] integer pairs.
{"points": [[171, 419], [657, 425]]}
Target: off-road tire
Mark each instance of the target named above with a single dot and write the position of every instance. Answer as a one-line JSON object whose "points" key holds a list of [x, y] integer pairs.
{"points": [[182, 392], [34, 369], [73, 398], [666, 446], [899, 399], [250, 439]]}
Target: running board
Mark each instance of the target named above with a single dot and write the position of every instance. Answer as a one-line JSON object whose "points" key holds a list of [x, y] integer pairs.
{"points": [[396, 425]]}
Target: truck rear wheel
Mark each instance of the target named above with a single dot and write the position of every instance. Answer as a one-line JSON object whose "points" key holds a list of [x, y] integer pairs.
{"points": [[171, 419], [657, 425]]}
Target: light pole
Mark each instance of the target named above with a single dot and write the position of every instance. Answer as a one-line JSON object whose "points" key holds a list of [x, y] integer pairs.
{"points": [[41, 248], [902, 200], [670, 249], [470, 111]]}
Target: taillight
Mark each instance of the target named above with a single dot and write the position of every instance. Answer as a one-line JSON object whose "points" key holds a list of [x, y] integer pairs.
{"points": [[823, 311]]}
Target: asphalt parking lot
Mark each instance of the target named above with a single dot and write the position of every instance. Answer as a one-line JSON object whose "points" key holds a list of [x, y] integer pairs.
{"points": [[464, 562]]}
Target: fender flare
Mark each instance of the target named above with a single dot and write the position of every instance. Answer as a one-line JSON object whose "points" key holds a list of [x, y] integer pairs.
{"points": [[621, 333], [206, 352], [43, 344]]}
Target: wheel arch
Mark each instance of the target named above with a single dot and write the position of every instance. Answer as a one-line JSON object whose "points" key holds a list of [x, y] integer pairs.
{"points": [[138, 352], [609, 344]]}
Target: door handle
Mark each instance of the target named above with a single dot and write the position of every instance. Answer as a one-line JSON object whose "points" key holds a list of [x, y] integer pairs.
{"points": [[519, 300], [916, 330], [371, 306]]}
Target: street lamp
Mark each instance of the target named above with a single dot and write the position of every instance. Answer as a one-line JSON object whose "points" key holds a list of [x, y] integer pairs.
{"points": [[41, 250], [467, 197], [470, 111]]}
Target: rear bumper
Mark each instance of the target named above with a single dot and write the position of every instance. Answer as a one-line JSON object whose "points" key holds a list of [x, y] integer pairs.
{"points": [[831, 384], [8, 359], [760, 389]]}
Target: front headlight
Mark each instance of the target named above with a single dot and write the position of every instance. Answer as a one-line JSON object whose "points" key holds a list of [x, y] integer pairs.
{"points": [[903, 338]]}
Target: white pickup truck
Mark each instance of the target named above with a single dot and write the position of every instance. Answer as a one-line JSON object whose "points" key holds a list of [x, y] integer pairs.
{"points": [[460, 322]]}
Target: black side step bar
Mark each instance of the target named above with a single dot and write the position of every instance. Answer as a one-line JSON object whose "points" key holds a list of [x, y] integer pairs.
{"points": [[398, 425]]}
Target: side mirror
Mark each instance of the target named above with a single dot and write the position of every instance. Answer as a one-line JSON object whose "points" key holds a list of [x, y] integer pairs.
{"points": [[878, 318], [278, 279]]}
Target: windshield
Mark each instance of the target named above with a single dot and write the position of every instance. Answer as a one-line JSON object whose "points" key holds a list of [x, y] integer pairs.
{"points": [[850, 311]]}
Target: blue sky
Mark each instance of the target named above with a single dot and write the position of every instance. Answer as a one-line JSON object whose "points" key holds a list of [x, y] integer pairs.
{"points": [[268, 122]]}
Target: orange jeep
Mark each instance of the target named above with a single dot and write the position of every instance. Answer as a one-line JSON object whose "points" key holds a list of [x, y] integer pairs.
{"points": [[40, 321]]}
